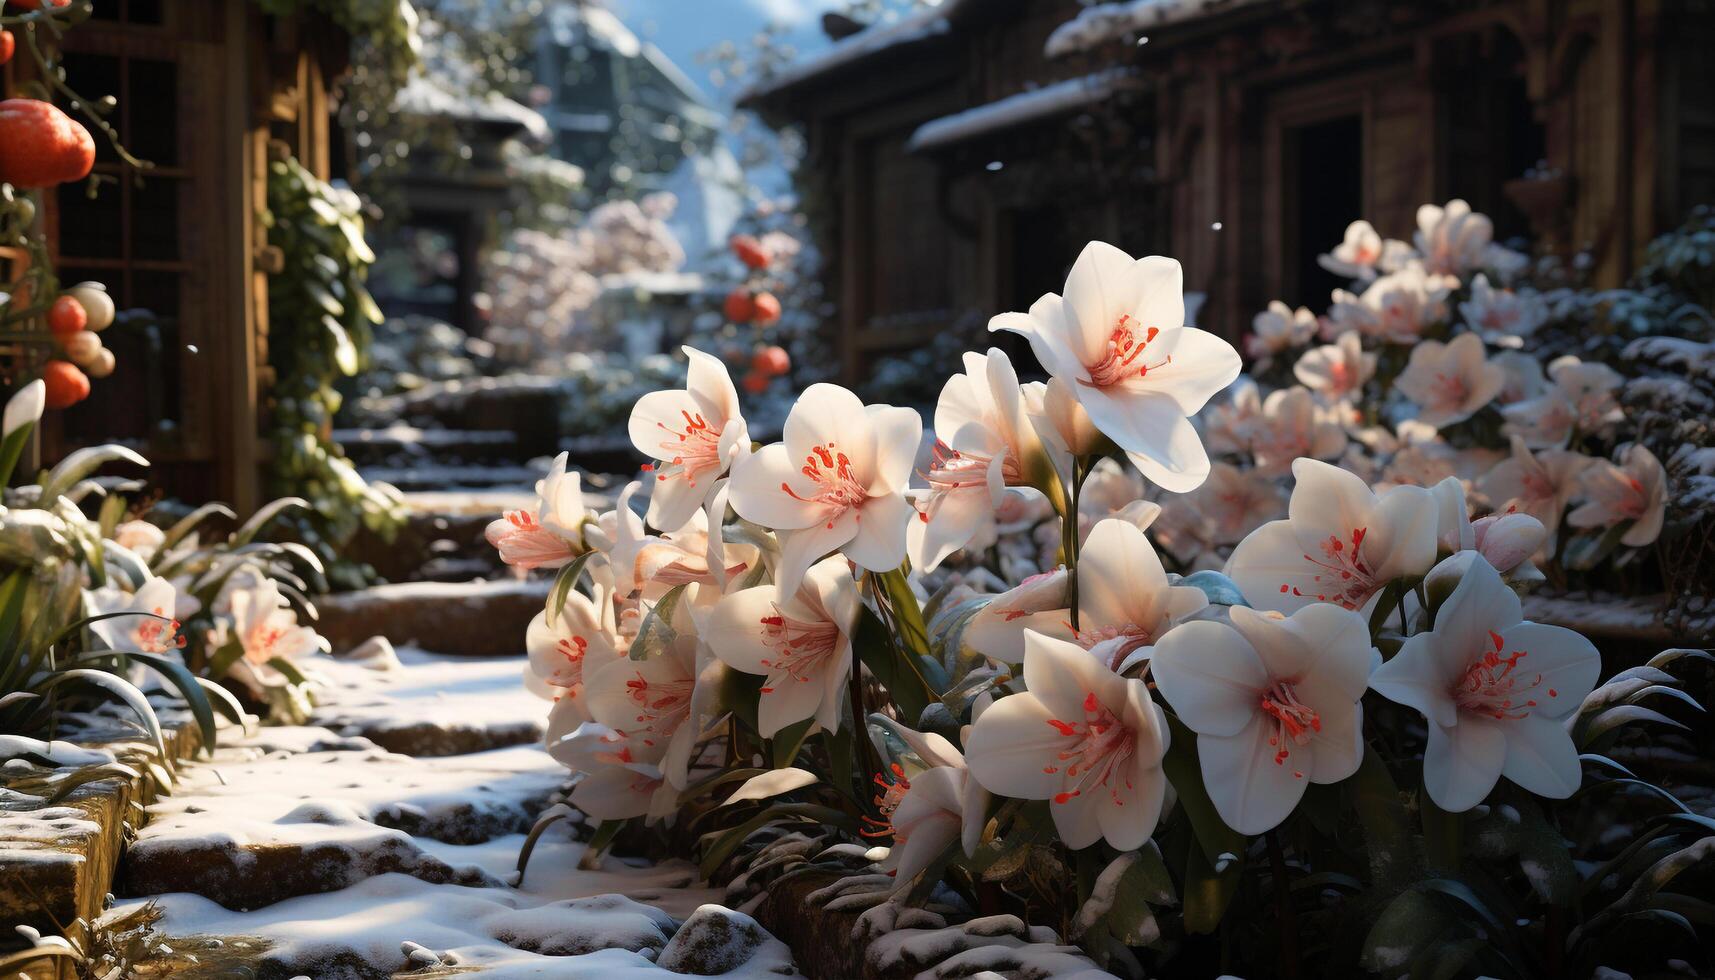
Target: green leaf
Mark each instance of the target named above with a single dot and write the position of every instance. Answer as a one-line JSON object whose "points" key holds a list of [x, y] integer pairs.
{"points": [[787, 741], [1208, 892], [728, 841], [656, 633], [1393, 858], [289, 669], [189, 689], [268, 511], [885, 659], [188, 523], [1442, 832], [564, 582], [344, 351], [82, 463]]}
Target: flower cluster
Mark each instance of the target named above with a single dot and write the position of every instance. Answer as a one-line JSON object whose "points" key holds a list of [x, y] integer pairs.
{"points": [[862, 598]]}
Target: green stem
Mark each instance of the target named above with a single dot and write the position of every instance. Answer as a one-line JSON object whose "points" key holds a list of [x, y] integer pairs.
{"points": [[1287, 921]]}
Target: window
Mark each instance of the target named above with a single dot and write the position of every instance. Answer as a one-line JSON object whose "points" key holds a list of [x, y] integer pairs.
{"points": [[1324, 182]]}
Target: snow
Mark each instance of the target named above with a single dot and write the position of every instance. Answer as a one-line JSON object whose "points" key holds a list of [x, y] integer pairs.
{"points": [[1097, 25], [922, 25], [1017, 110], [359, 700]]}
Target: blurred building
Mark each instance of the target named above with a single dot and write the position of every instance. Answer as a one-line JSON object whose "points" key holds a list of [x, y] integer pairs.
{"points": [[202, 87], [961, 155]]}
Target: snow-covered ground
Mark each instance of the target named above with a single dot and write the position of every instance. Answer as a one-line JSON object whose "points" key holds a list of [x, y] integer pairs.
{"points": [[311, 851]]}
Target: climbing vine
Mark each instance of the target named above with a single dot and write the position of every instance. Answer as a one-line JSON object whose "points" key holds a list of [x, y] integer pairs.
{"points": [[320, 326]]}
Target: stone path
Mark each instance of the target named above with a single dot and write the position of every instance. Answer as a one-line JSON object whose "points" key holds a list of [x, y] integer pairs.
{"points": [[381, 839]]}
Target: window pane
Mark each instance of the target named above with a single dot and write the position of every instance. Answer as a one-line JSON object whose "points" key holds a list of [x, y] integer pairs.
{"points": [[94, 76], [153, 112], [90, 227], [143, 11], [155, 219]]}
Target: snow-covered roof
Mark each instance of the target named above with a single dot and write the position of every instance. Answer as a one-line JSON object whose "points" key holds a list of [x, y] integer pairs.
{"points": [[1017, 110], [1105, 22], [423, 96], [921, 25]]}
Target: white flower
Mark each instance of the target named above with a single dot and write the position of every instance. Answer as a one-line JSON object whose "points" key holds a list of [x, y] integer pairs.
{"points": [[1279, 328], [985, 442], [155, 631], [1356, 256], [1238, 501], [523, 543], [560, 501], [568, 648], [649, 701], [1538, 484], [1635, 491], [1340, 543], [1292, 425], [24, 407], [1507, 541], [139, 537], [1274, 702], [266, 626], [1083, 737], [1125, 602], [1503, 317], [1452, 240], [1581, 400], [803, 646], [927, 808], [1525, 379], [1336, 371], [1395, 308], [1495, 691], [1450, 382], [1231, 421], [1060, 420], [695, 433], [1040, 603], [615, 785], [1117, 340], [836, 482]]}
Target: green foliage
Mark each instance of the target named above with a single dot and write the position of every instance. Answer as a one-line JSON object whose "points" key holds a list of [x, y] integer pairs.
{"points": [[321, 320]]}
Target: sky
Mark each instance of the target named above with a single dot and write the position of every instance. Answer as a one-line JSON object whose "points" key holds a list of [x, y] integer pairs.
{"points": [[682, 28]]}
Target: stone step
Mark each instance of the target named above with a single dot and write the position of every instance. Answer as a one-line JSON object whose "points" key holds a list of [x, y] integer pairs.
{"points": [[254, 827], [403, 444], [474, 619], [58, 861], [455, 476], [526, 407]]}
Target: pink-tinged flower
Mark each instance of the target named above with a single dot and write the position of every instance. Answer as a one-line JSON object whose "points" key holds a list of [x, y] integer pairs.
{"points": [[1274, 702], [155, 630], [1357, 255], [802, 647], [654, 563], [1507, 541], [1340, 543], [1294, 424], [1086, 739], [1580, 400], [1118, 341], [1452, 240], [1635, 491], [1230, 422], [695, 434], [1125, 602], [139, 537], [560, 500], [836, 482], [1336, 371], [1238, 501], [1503, 317], [1394, 309], [1040, 603], [1279, 329], [1450, 382], [649, 701], [1495, 690], [568, 648], [266, 626], [615, 786], [984, 443], [1525, 379], [1538, 484], [926, 802], [524, 543]]}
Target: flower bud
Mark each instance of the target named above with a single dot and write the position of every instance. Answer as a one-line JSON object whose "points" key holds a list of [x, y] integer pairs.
{"points": [[1508, 540], [25, 407]]}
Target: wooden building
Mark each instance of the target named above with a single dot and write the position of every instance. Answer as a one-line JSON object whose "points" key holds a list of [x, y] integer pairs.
{"points": [[202, 86], [959, 157]]}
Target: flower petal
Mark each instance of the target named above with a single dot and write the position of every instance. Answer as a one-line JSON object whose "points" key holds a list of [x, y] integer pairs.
{"points": [[1210, 675]]}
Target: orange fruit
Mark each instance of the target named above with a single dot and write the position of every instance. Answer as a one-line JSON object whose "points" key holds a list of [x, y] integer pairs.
{"points": [[750, 251], [8, 44], [755, 383], [767, 308], [40, 146], [65, 383], [739, 307], [67, 316], [771, 361]]}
